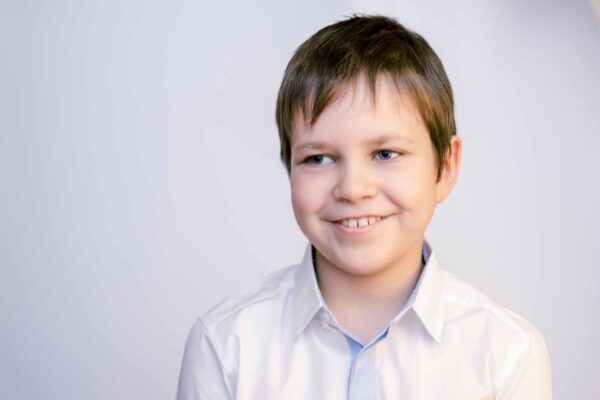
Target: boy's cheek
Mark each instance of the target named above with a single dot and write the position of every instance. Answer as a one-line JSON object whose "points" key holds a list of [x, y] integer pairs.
{"points": [[301, 197], [302, 180]]}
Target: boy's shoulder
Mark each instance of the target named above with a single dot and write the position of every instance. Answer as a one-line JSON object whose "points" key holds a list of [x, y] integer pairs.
{"points": [[509, 344], [254, 302], [465, 302]]}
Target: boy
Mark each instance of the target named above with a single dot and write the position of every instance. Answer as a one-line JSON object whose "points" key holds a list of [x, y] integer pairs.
{"points": [[366, 123]]}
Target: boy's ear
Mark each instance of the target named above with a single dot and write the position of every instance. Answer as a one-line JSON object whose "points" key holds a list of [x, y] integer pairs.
{"points": [[449, 172]]}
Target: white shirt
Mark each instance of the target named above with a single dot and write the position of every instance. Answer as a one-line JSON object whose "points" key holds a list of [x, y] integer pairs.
{"points": [[278, 340]]}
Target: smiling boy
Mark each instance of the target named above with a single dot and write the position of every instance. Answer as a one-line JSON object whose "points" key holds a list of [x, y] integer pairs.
{"points": [[366, 122], [364, 186]]}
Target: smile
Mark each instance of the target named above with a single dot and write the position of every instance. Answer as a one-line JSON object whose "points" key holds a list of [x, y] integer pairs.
{"points": [[359, 223]]}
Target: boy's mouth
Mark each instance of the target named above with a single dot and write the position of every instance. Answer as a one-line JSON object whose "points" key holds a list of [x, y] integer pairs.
{"points": [[357, 223]]}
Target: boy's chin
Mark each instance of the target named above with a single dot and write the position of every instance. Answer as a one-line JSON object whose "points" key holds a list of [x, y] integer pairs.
{"points": [[363, 271], [369, 261], [359, 265]]}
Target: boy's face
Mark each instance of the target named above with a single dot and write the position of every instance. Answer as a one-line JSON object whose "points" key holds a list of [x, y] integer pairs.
{"points": [[373, 164]]}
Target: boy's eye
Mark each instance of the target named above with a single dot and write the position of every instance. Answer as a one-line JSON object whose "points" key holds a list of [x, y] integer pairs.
{"points": [[386, 154], [318, 159]]}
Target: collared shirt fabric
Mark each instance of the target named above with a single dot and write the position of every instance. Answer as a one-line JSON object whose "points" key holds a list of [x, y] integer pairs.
{"points": [[278, 340]]}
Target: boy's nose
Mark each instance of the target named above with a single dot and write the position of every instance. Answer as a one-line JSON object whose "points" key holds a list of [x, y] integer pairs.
{"points": [[354, 183]]}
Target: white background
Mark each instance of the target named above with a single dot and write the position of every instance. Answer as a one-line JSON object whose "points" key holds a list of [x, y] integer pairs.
{"points": [[140, 182]]}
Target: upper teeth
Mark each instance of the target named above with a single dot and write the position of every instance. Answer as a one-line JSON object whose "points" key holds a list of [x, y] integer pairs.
{"points": [[359, 222]]}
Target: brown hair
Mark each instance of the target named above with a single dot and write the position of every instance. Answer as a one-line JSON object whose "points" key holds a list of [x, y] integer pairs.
{"points": [[370, 46]]}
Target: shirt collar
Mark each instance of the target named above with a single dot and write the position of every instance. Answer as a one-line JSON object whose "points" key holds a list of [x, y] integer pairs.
{"points": [[426, 298], [307, 298]]}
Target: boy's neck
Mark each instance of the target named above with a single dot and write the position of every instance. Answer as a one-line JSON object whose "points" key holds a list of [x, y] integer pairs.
{"points": [[364, 305]]}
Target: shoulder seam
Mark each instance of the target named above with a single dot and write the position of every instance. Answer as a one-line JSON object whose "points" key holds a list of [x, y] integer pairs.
{"points": [[525, 353], [209, 334]]}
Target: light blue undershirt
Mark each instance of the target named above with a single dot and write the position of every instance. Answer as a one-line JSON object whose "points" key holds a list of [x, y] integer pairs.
{"points": [[356, 348]]}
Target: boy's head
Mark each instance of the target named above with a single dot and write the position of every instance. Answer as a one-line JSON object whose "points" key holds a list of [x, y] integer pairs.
{"points": [[365, 116], [367, 46]]}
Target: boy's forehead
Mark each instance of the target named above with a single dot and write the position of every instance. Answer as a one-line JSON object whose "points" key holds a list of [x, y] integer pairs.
{"points": [[356, 92]]}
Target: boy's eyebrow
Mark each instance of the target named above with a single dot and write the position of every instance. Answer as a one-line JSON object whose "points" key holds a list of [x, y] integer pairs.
{"points": [[376, 141]]}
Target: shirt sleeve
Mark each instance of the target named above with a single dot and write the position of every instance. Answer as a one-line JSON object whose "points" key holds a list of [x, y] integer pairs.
{"points": [[203, 373], [531, 376]]}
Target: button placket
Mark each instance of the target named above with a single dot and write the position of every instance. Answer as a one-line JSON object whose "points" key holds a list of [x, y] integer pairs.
{"points": [[363, 379]]}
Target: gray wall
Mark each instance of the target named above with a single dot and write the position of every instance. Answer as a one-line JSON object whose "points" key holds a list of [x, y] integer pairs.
{"points": [[140, 181]]}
